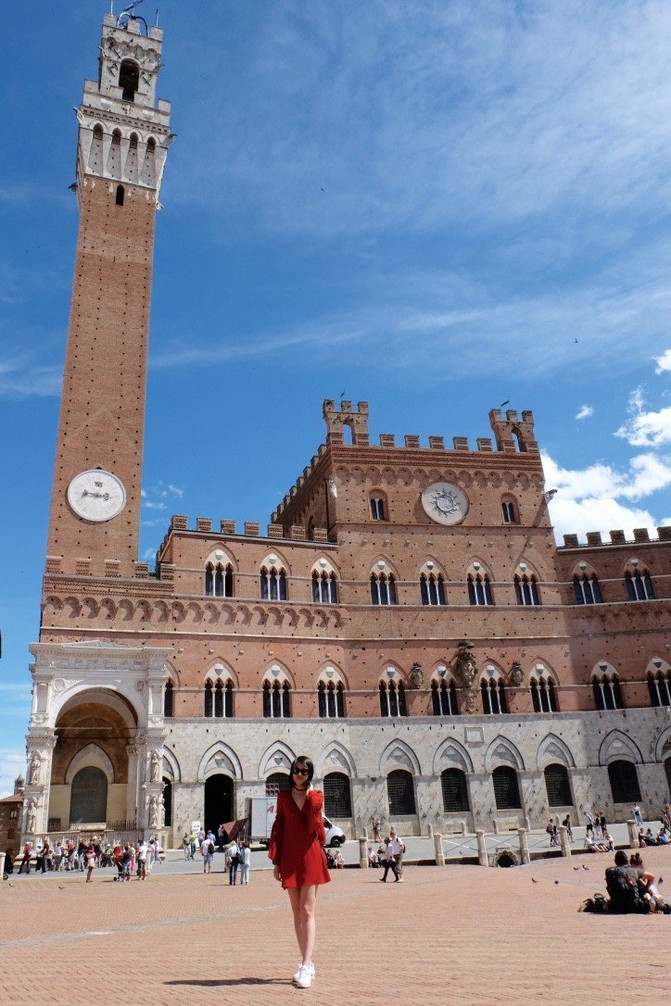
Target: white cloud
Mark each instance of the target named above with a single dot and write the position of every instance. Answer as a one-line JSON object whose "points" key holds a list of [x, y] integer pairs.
{"points": [[646, 428], [594, 498], [584, 412], [663, 362]]}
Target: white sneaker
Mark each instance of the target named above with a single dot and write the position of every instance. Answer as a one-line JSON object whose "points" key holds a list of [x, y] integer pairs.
{"points": [[310, 967], [303, 977]]}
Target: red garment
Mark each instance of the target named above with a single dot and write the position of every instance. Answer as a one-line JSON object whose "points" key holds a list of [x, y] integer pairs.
{"points": [[296, 841]]}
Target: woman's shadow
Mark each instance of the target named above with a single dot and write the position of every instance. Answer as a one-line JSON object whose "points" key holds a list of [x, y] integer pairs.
{"points": [[218, 982]]}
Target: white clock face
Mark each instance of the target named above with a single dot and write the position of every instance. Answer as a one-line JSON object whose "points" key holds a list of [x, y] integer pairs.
{"points": [[445, 503], [96, 495]]}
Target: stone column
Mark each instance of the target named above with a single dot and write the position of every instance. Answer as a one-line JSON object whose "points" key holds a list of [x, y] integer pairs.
{"points": [[363, 854], [439, 855], [482, 849], [563, 841], [633, 834], [524, 845], [134, 807]]}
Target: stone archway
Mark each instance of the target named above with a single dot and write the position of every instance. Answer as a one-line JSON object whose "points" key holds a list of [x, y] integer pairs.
{"points": [[88, 797]]}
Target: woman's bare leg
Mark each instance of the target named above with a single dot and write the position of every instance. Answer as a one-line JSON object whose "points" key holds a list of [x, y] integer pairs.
{"points": [[303, 907]]}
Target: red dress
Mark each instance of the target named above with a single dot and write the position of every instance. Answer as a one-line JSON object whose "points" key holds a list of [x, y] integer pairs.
{"points": [[296, 841]]}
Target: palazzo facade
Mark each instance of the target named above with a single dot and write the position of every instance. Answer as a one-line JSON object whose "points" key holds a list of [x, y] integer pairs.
{"points": [[405, 618]]}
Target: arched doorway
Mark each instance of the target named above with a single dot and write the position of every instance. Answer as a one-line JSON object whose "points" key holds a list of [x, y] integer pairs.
{"points": [[88, 801], [218, 802]]}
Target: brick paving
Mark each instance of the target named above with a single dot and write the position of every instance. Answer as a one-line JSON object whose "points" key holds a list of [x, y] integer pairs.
{"points": [[460, 934]]}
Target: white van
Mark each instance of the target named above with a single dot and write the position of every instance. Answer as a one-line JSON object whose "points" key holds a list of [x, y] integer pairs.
{"points": [[335, 836]]}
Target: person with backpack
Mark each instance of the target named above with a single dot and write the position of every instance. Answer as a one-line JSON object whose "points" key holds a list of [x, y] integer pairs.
{"points": [[627, 895]]}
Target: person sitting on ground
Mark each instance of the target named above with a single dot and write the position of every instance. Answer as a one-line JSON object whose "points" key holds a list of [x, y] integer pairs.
{"points": [[627, 895], [339, 859], [647, 883], [608, 842], [641, 839], [593, 846], [650, 838], [661, 836]]}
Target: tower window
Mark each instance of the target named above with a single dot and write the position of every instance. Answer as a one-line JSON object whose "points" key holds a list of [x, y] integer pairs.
{"points": [[639, 586], [331, 700], [382, 589], [526, 590], [432, 589], [493, 697], [659, 686], [479, 590], [444, 698], [324, 588], [219, 580], [377, 508], [168, 700], [120, 192], [543, 694], [276, 700], [607, 691], [392, 699], [273, 584], [129, 79], [586, 588], [509, 512]]}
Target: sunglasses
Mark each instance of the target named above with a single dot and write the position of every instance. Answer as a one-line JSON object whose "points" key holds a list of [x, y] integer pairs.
{"points": [[300, 771]]}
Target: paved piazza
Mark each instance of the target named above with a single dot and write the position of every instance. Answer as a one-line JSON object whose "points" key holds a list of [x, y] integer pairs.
{"points": [[460, 934]]}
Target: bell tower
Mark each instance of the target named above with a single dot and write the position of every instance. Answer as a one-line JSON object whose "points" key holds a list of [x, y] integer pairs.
{"points": [[123, 140]]}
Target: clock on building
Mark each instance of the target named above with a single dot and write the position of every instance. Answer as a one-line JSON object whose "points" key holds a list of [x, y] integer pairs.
{"points": [[96, 495], [445, 502]]}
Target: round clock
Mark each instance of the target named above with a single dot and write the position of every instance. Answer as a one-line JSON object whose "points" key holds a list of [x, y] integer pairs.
{"points": [[96, 495], [445, 503]]}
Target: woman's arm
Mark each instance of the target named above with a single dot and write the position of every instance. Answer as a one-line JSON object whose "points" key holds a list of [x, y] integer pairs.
{"points": [[315, 819]]}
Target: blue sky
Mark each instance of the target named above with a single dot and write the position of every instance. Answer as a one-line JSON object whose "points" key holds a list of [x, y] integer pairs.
{"points": [[431, 206]]}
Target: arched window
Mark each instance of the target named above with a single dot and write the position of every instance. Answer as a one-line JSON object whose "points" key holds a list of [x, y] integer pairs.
{"points": [[526, 589], [392, 698], [432, 589], [168, 700], [331, 700], [506, 788], [219, 579], [455, 791], [401, 794], [479, 589], [337, 795], [218, 694], [510, 511], [88, 797], [378, 507], [120, 192], [276, 704], [444, 696], [639, 586], [586, 588], [624, 782], [129, 79], [607, 691], [659, 686], [543, 691], [276, 783], [273, 583], [558, 786], [493, 696], [324, 587], [382, 588]]}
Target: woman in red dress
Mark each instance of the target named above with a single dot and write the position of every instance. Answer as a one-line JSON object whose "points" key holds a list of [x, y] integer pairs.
{"points": [[296, 849]]}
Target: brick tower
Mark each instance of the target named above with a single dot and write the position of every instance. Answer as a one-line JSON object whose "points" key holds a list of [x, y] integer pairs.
{"points": [[124, 135]]}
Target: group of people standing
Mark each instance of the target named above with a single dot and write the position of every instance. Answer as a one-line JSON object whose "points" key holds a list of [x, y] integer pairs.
{"points": [[238, 858], [389, 856]]}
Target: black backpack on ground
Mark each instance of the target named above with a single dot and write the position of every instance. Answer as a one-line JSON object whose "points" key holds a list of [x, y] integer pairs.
{"points": [[624, 891]]}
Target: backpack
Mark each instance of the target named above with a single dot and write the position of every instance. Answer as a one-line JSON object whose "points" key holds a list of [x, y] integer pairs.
{"points": [[624, 891]]}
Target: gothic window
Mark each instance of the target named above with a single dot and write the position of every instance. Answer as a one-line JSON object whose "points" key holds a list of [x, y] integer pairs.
{"points": [[639, 586], [119, 195], [543, 692], [659, 686], [509, 511], [168, 700], [432, 589], [624, 782], [558, 786], [167, 802], [218, 694], [276, 704], [129, 79], [506, 788], [378, 508], [526, 590], [208, 699], [331, 700], [324, 587], [401, 794], [493, 696], [455, 791], [382, 588], [479, 589], [392, 698], [587, 589], [219, 580], [273, 583], [337, 795], [276, 783], [444, 697], [607, 691]]}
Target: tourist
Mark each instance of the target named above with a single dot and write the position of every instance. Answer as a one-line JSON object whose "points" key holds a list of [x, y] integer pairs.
{"points": [[186, 845], [638, 817], [142, 852], [567, 824], [245, 862], [232, 862], [296, 850], [90, 857], [647, 882], [207, 851], [27, 856]]}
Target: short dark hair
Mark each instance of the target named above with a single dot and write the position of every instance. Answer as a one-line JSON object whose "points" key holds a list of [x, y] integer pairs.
{"points": [[621, 858], [302, 761]]}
